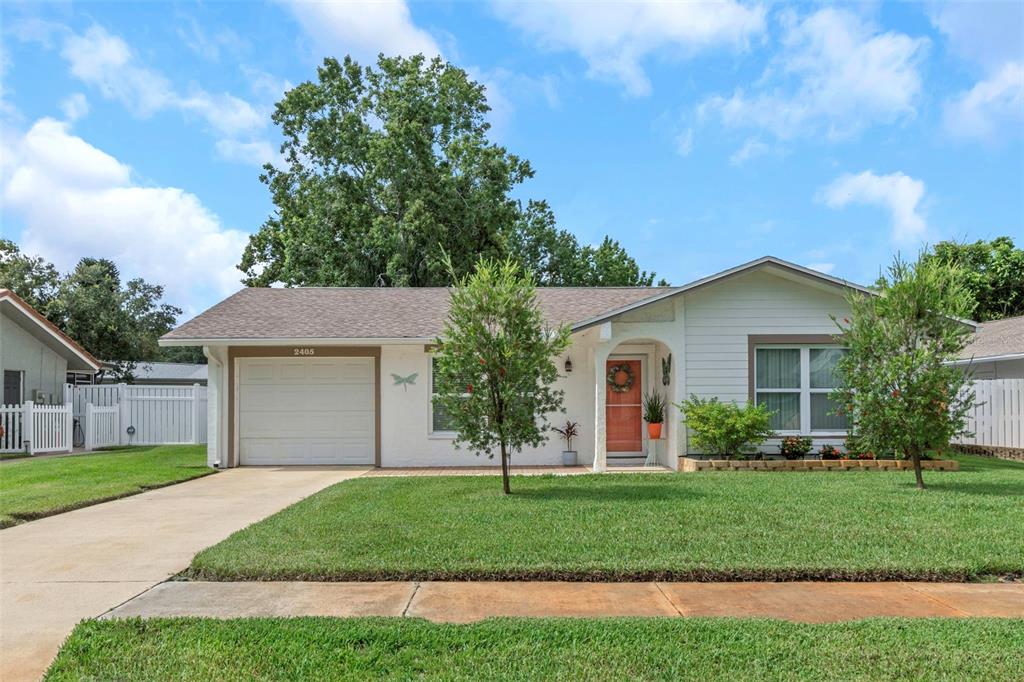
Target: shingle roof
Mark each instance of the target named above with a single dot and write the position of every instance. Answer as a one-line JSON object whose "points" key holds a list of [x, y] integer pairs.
{"points": [[376, 312], [999, 337]]}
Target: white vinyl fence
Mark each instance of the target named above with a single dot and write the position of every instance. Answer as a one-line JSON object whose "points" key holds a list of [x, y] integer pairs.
{"points": [[998, 415], [36, 429], [140, 415]]}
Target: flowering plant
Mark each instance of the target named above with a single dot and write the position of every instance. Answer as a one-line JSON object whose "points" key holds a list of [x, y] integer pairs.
{"points": [[795, 447]]}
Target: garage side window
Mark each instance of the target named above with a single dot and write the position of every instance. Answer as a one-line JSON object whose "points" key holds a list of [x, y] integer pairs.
{"points": [[440, 419]]}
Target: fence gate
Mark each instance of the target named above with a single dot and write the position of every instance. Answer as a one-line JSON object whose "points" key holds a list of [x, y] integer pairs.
{"points": [[145, 415]]}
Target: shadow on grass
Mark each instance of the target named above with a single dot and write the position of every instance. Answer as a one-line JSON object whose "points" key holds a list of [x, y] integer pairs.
{"points": [[619, 493], [975, 463]]}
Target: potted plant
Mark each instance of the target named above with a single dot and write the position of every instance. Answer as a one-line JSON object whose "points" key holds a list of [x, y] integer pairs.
{"points": [[568, 432], [795, 447], [654, 414]]}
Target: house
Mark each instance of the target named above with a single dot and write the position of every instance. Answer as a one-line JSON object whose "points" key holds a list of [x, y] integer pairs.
{"points": [[164, 374], [35, 355], [996, 351], [343, 375]]}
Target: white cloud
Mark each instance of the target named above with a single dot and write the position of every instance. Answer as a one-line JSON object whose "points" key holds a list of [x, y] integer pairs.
{"points": [[836, 74], [362, 29], [106, 62], [684, 142], [255, 153], [826, 268], [74, 107], [987, 33], [615, 38], [897, 193], [992, 106], [751, 149], [75, 200]]}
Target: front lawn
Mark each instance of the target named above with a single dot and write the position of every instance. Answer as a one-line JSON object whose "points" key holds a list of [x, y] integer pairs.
{"points": [[703, 526], [34, 488], [627, 649]]}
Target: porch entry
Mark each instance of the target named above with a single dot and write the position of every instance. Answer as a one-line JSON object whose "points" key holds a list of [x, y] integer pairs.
{"points": [[623, 415]]}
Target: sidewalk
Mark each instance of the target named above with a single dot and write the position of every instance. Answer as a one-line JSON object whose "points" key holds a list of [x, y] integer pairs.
{"points": [[460, 602]]}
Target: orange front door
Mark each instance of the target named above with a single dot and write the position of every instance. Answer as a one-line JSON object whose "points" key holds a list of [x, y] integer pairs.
{"points": [[624, 419]]}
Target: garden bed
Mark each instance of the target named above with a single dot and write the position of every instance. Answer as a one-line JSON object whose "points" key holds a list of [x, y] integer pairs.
{"points": [[689, 464]]}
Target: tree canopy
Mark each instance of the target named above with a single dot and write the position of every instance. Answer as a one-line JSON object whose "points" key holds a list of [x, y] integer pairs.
{"points": [[389, 168], [118, 322], [993, 271], [495, 363], [897, 388]]}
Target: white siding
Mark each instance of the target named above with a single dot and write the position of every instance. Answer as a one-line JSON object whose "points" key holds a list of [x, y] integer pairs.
{"points": [[44, 370], [721, 316], [1002, 369]]}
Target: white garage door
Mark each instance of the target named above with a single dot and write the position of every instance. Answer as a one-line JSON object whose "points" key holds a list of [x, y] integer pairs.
{"points": [[305, 411]]}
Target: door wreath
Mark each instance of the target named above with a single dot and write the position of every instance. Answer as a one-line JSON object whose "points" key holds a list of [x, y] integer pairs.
{"points": [[613, 378]]}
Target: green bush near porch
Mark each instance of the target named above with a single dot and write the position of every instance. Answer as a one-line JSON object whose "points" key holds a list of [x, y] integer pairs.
{"points": [[727, 525], [527, 649]]}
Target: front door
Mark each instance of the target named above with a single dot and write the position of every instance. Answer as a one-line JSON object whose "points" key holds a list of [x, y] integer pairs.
{"points": [[623, 381], [12, 387]]}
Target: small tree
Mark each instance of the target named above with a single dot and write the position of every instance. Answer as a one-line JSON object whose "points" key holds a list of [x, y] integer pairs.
{"points": [[496, 363], [899, 393], [726, 428]]}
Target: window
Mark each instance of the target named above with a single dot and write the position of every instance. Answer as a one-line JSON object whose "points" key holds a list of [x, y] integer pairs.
{"points": [[795, 382], [440, 419]]}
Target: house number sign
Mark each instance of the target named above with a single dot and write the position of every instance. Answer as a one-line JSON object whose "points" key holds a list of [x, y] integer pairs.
{"points": [[297, 352]]}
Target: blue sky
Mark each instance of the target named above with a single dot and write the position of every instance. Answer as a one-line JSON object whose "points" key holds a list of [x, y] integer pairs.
{"points": [[699, 135]]}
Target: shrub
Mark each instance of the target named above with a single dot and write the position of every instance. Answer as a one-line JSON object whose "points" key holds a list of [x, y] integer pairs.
{"points": [[795, 447], [726, 428], [829, 452]]}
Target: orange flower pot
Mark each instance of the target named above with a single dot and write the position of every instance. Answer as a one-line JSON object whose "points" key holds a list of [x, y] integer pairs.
{"points": [[654, 431]]}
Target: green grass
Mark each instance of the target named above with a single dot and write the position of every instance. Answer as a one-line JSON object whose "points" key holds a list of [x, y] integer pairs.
{"points": [[506, 649], [34, 488], [700, 526]]}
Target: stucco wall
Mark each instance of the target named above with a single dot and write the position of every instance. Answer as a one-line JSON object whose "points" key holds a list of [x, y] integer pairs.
{"points": [[406, 439], [43, 369]]}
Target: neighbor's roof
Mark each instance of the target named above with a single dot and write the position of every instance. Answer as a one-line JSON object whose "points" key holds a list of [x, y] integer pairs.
{"points": [[997, 339], [153, 371], [374, 312], [79, 359]]}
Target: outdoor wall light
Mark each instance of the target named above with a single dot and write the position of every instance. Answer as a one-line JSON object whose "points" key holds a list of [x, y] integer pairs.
{"points": [[568, 365]]}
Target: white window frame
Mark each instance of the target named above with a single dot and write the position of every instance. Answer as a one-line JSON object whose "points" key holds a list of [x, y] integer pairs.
{"points": [[804, 390], [431, 433]]}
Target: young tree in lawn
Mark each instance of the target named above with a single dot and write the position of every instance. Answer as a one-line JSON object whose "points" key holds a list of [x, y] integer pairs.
{"points": [[898, 391], [496, 363]]}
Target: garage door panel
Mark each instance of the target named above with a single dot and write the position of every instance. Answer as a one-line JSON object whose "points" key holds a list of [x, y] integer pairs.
{"points": [[306, 411]]}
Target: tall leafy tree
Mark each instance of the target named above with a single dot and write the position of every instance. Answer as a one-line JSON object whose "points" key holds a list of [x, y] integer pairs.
{"points": [[496, 363], [30, 277], [993, 271], [389, 168], [899, 392]]}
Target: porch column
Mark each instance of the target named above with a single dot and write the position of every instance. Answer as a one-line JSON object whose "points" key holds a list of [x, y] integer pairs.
{"points": [[601, 353]]}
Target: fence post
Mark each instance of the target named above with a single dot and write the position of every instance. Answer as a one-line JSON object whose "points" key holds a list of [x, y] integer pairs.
{"points": [[195, 413], [69, 394], [27, 420], [69, 427], [90, 439], [123, 420]]}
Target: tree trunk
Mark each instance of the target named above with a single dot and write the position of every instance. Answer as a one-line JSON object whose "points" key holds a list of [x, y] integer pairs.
{"points": [[504, 470], [916, 456]]}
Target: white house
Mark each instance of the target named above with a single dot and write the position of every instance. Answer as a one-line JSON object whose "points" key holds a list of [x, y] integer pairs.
{"points": [[343, 375], [996, 351]]}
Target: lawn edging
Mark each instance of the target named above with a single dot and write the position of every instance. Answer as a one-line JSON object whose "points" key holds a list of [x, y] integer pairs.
{"points": [[691, 464]]}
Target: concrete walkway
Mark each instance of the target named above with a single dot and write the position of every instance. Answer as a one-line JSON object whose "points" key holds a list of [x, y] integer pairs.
{"points": [[460, 602], [61, 569]]}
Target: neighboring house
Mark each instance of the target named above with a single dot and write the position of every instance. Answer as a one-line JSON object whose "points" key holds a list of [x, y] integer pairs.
{"points": [[164, 374], [996, 351], [343, 375], [35, 355]]}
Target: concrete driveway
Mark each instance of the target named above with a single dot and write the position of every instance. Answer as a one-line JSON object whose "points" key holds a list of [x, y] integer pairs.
{"points": [[56, 571]]}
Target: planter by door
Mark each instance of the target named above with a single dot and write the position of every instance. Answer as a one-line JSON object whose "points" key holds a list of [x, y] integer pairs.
{"points": [[654, 431], [569, 458]]}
